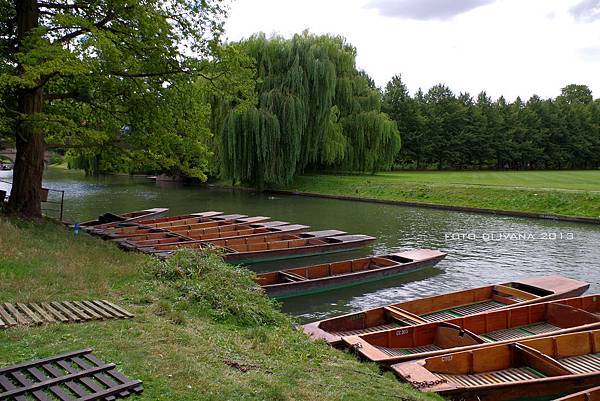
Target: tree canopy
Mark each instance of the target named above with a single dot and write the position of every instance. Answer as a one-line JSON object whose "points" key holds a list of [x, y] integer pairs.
{"points": [[314, 110], [92, 75]]}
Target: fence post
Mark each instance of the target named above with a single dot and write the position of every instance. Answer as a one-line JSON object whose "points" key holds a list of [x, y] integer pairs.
{"points": [[62, 203]]}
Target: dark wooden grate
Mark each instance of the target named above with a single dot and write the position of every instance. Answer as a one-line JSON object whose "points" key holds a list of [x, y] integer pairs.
{"points": [[74, 376], [20, 314]]}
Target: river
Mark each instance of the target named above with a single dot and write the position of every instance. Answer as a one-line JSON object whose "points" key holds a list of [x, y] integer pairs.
{"points": [[481, 248]]}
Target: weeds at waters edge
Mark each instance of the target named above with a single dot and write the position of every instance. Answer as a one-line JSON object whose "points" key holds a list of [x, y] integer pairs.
{"points": [[228, 293]]}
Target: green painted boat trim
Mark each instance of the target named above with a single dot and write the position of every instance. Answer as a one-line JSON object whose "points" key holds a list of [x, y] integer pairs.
{"points": [[304, 255]]}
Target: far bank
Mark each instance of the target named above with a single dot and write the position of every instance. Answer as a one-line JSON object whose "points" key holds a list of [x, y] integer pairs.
{"points": [[562, 195]]}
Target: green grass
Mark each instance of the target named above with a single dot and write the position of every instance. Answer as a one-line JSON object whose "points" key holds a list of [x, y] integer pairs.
{"points": [[572, 193], [188, 335], [587, 180]]}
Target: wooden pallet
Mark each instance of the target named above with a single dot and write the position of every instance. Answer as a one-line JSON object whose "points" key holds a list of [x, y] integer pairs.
{"points": [[20, 314], [74, 376]]}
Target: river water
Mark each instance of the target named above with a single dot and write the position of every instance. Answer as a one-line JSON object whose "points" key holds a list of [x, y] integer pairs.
{"points": [[482, 248]]}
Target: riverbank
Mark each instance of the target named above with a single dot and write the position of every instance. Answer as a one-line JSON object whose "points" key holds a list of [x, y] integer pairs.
{"points": [[182, 347], [548, 194]]}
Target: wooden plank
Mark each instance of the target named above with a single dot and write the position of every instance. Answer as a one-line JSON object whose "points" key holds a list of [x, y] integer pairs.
{"points": [[85, 363], [113, 375], [54, 312], [74, 387], [57, 380], [8, 386], [26, 383], [35, 318], [45, 315], [18, 316], [135, 384], [76, 310], [87, 310], [6, 317], [88, 381], [37, 362], [118, 308], [66, 312], [57, 391], [113, 309], [97, 309]]}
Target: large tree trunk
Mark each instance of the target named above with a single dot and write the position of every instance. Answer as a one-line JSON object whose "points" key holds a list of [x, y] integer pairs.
{"points": [[25, 195]]}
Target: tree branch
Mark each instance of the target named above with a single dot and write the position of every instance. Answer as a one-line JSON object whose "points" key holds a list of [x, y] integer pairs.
{"points": [[109, 17], [57, 6]]}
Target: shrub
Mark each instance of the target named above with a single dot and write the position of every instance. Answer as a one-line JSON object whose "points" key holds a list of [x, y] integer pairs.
{"points": [[227, 292]]}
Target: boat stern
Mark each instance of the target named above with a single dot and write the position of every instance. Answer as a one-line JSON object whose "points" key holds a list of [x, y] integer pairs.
{"points": [[558, 286]]}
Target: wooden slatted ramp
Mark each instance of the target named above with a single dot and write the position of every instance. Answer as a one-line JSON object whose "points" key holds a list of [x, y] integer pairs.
{"points": [[21, 314], [74, 376]]}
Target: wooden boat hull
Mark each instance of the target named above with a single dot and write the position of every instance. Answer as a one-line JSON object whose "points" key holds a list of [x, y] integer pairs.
{"points": [[413, 261], [592, 394], [216, 230], [530, 369], [542, 289], [500, 326], [109, 220], [245, 231], [198, 220], [347, 243]]}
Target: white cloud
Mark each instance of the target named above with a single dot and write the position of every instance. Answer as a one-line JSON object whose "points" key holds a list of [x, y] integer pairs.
{"points": [[425, 9], [507, 47], [586, 10]]}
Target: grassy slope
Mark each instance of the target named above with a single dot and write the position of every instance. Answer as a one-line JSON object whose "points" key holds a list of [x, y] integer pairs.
{"points": [[179, 352], [574, 193]]}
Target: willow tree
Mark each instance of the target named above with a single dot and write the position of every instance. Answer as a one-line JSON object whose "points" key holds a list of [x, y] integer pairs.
{"points": [[315, 110], [74, 73]]}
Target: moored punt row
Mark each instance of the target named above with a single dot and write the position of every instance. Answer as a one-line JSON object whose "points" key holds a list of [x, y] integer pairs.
{"points": [[108, 220], [474, 331], [542, 367], [327, 276], [160, 242], [185, 222], [446, 306], [242, 239]]}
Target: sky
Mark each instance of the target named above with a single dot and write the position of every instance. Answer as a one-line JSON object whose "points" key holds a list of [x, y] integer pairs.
{"points": [[504, 47]]}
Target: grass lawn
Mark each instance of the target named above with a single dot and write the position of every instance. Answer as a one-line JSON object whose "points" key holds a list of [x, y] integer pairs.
{"points": [[586, 180], [572, 193], [175, 345]]}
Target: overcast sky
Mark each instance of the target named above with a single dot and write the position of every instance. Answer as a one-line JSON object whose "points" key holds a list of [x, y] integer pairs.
{"points": [[509, 47]]}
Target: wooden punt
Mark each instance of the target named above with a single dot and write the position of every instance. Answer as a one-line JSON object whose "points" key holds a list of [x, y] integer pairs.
{"points": [[146, 237], [446, 306], [205, 231], [108, 220], [328, 276], [285, 246], [168, 219], [542, 367], [204, 236], [504, 325], [196, 222], [592, 394]]}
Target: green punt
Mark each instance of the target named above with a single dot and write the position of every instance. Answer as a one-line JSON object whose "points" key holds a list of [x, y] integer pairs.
{"points": [[285, 246], [329, 276]]}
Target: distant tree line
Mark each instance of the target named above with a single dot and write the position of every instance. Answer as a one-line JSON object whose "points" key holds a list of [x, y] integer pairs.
{"points": [[442, 130]]}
